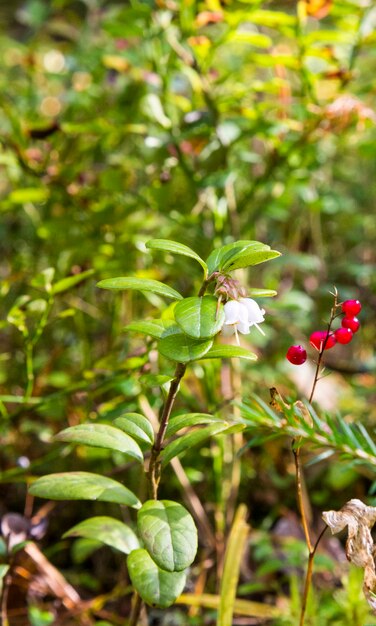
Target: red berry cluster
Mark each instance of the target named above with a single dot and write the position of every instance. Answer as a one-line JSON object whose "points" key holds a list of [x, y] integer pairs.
{"points": [[324, 340]]}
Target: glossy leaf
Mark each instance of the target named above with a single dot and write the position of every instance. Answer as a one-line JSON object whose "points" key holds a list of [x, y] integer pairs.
{"points": [[137, 426], [140, 284], [185, 442], [83, 486], [220, 256], [199, 317], [181, 348], [225, 351], [169, 534], [249, 257], [176, 248], [109, 531], [156, 587], [70, 281], [188, 419], [154, 328], [102, 436]]}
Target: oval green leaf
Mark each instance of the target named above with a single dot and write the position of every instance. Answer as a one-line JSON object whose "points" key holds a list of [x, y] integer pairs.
{"points": [[245, 258], [140, 284], [219, 257], [137, 426], [181, 348], [83, 486], [188, 419], [176, 248], [185, 442], [154, 328], [199, 317], [225, 351], [156, 587], [107, 530], [102, 436], [169, 534]]}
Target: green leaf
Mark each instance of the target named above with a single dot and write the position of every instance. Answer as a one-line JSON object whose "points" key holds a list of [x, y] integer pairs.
{"points": [[102, 436], [181, 348], [185, 442], [225, 351], [109, 531], [176, 248], [219, 257], [231, 567], [70, 281], [198, 317], [140, 284], [155, 586], [245, 258], [155, 380], [169, 534], [83, 486], [261, 293], [154, 328], [44, 279], [137, 426], [188, 419]]}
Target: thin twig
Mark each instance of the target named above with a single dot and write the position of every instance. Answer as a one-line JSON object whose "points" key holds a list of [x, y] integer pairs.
{"points": [[308, 578], [300, 498], [154, 474], [136, 610]]}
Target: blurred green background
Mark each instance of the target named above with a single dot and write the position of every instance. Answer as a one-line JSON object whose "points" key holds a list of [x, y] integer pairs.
{"points": [[203, 122]]}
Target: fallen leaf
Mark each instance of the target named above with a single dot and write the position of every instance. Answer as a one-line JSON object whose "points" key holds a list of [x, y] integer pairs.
{"points": [[359, 518]]}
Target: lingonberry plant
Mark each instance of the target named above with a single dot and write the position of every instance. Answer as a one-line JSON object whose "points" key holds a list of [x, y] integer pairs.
{"points": [[164, 543]]}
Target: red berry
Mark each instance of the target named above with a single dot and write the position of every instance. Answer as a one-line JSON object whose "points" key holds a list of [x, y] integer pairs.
{"points": [[319, 337], [351, 307], [351, 322], [344, 335], [296, 355]]}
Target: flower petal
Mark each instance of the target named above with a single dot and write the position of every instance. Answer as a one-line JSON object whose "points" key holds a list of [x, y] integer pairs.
{"points": [[235, 312], [232, 312], [228, 330], [243, 328], [254, 313]]}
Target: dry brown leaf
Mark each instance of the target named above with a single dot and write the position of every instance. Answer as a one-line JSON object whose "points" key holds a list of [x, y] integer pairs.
{"points": [[360, 549], [279, 405]]}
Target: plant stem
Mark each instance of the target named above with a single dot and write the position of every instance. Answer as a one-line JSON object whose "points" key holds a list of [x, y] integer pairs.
{"points": [[300, 498], [29, 349], [333, 314], [30, 377], [154, 474], [136, 610], [308, 578]]}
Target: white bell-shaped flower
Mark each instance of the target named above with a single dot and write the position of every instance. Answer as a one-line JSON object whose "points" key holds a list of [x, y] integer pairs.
{"points": [[255, 314], [240, 315]]}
